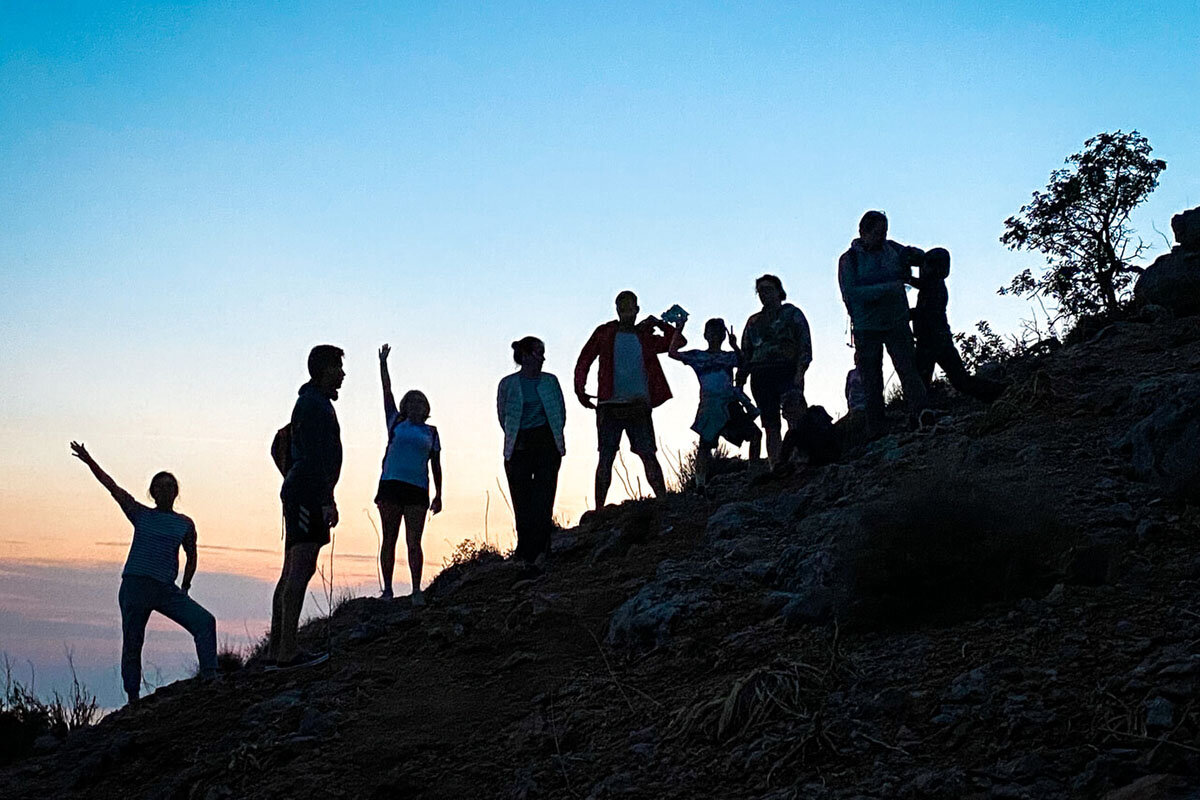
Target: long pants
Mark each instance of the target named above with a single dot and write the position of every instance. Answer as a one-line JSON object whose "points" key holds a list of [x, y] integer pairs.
{"points": [[939, 350], [868, 359], [138, 597], [533, 481]]}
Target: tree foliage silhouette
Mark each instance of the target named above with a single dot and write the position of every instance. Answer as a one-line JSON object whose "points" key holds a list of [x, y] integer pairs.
{"points": [[1080, 222]]}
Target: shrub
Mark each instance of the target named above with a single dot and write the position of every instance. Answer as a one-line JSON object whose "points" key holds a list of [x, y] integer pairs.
{"points": [[948, 543], [24, 717]]}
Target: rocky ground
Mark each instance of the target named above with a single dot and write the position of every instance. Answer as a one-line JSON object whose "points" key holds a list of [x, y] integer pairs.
{"points": [[802, 637]]}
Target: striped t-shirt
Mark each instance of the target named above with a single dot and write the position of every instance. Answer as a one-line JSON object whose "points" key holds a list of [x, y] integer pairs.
{"points": [[157, 537]]}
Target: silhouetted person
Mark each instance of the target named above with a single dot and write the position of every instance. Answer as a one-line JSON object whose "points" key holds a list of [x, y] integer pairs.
{"points": [[872, 274], [935, 344], [414, 449], [630, 384], [148, 579], [776, 351], [721, 412], [529, 404], [309, 510], [811, 433]]}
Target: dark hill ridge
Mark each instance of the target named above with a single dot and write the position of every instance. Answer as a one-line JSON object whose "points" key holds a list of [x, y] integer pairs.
{"points": [[685, 648]]}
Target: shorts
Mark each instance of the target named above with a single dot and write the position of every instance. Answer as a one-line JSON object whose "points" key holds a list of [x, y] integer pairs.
{"points": [[400, 493], [632, 419], [738, 429], [769, 383], [304, 523]]}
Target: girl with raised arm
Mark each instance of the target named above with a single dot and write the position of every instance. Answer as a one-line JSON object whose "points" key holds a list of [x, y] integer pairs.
{"points": [[148, 579], [413, 451], [530, 406]]}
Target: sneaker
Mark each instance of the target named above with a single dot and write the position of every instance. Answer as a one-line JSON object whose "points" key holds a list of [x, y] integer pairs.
{"points": [[418, 599], [386, 594], [302, 659]]}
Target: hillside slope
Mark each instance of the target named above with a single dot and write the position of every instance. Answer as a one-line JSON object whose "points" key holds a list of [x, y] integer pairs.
{"points": [[732, 647]]}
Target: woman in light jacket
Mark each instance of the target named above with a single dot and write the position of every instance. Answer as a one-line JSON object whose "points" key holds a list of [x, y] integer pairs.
{"points": [[530, 406]]}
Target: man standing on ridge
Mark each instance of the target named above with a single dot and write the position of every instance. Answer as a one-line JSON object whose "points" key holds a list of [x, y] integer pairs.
{"points": [[630, 384], [309, 510], [872, 274]]}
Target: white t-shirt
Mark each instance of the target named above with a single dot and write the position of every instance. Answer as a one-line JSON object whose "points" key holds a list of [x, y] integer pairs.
{"points": [[408, 453], [629, 370]]}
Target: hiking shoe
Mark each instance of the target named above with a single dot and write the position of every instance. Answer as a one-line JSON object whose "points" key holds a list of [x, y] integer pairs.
{"points": [[302, 659], [418, 599], [386, 594]]}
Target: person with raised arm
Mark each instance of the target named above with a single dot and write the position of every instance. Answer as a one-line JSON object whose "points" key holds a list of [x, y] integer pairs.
{"points": [[414, 449], [630, 385], [148, 578], [529, 404], [776, 353], [721, 412], [309, 509]]}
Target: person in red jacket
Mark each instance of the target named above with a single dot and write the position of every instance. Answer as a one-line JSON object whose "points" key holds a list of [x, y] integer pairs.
{"points": [[630, 384]]}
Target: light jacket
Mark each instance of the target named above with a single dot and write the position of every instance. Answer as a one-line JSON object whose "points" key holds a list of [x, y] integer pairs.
{"points": [[655, 339], [872, 284], [510, 399]]}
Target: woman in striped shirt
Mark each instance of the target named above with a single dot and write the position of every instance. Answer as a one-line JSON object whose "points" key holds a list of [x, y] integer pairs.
{"points": [[148, 579]]}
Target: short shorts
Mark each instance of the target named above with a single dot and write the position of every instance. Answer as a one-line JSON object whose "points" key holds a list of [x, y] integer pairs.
{"points": [[400, 493]]}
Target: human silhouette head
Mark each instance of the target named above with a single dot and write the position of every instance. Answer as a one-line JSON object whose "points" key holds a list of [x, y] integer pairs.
{"points": [[325, 368], [714, 332], [627, 307], [164, 489], [937, 263], [770, 290], [872, 229], [414, 406], [529, 352]]}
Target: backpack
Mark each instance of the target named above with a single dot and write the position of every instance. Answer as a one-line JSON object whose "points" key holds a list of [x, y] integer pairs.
{"points": [[281, 449]]}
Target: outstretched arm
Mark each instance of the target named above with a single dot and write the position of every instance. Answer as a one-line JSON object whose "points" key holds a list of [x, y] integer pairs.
{"points": [[389, 400], [123, 498]]}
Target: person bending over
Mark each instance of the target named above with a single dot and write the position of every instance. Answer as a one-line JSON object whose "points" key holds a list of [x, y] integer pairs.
{"points": [[630, 385], [413, 450], [148, 579]]}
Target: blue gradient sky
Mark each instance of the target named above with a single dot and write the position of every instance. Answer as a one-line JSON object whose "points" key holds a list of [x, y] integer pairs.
{"points": [[192, 195]]}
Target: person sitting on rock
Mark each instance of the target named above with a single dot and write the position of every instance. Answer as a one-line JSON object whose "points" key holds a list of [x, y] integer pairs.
{"points": [[810, 432], [934, 342], [721, 412]]}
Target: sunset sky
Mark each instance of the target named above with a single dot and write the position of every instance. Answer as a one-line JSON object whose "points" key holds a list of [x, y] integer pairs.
{"points": [[193, 195]]}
